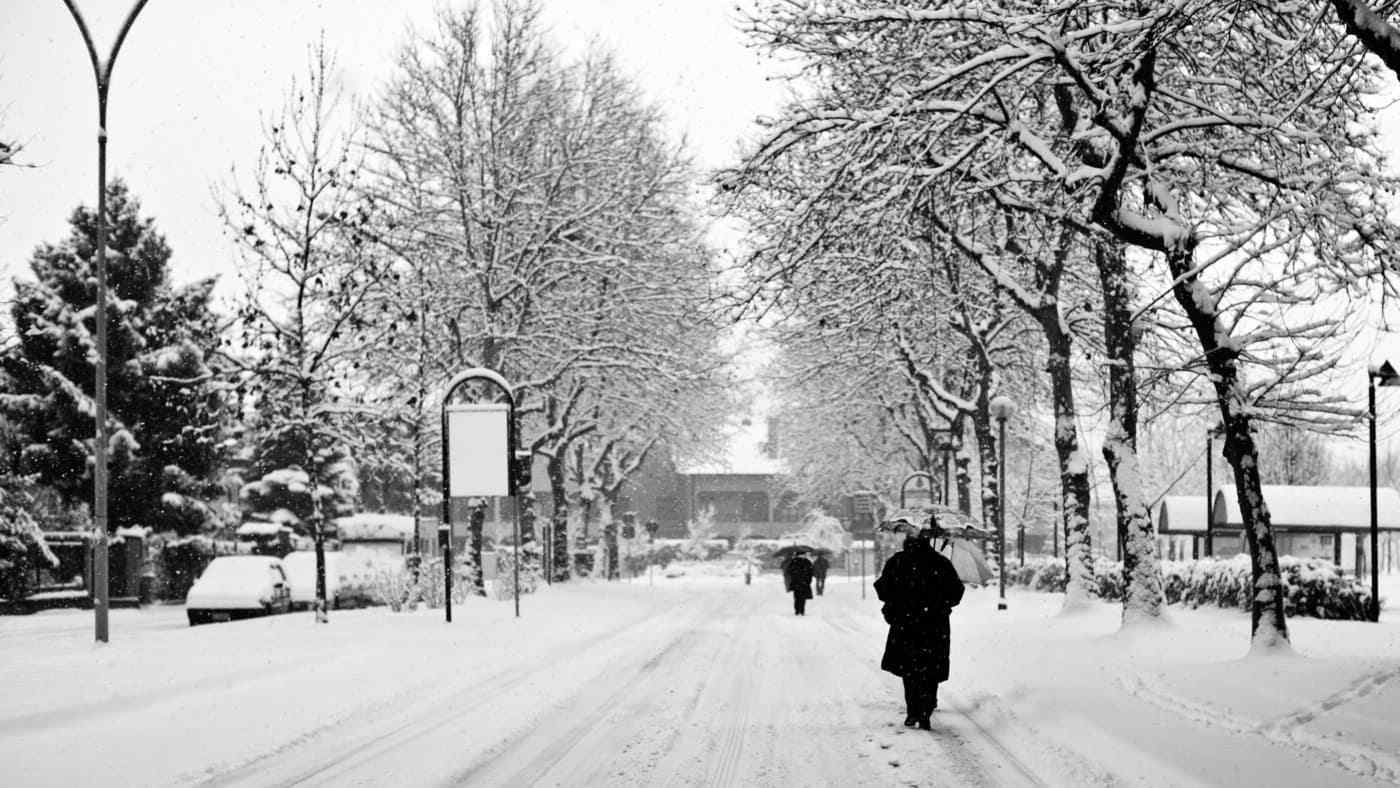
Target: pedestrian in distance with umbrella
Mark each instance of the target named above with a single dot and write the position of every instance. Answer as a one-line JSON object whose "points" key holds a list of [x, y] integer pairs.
{"points": [[799, 582], [919, 587]]}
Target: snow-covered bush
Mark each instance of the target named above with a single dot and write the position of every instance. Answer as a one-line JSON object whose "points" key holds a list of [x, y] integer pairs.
{"points": [[398, 588], [1038, 574], [530, 575], [22, 545], [395, 588], [1312, 587], [660, 553], [702, 544]]}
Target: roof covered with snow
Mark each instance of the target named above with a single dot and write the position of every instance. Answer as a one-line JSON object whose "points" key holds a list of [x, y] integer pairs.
{"points": [[1182, 514], [1321, 507], [260, 528], [374, 527]]}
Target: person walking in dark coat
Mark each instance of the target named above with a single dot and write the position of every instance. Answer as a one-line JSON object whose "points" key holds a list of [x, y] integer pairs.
{"points": [[819, 567], [919, 587], [799, 582]]}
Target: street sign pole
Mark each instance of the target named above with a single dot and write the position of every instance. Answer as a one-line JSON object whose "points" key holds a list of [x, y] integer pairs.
{"points": [[479, 457]]}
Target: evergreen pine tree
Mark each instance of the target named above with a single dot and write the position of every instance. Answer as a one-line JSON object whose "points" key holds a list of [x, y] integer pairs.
{"points": [[163, 404]]}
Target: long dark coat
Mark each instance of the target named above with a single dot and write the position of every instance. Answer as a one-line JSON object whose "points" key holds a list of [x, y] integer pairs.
{"points": [[799, 577], [819, 567], [919, 587]]}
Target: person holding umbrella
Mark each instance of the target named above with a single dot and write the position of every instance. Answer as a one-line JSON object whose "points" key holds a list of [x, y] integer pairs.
{"points": [[798, 574], [919, 587]]}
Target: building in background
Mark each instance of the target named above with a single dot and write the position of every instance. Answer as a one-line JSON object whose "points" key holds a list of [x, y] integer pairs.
{"points": [[1307, 521], [742, 487]]}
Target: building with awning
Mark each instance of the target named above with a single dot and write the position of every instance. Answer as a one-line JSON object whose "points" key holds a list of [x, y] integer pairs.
{"points": [[1181, 527], [1308, 522]]}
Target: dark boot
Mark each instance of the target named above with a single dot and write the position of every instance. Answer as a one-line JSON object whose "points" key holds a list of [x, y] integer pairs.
{"points": [[911, 702], [928, 701]]}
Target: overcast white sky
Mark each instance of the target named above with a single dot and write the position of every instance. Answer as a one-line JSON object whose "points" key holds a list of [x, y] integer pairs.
{"points": [[193, 77]]}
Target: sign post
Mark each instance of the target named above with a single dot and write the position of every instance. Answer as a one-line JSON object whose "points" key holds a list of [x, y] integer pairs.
{"points": [[478, 455], [863, 522]]}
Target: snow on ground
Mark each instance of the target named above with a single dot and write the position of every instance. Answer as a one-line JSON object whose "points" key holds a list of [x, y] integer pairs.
{"points": [[692, 679]]}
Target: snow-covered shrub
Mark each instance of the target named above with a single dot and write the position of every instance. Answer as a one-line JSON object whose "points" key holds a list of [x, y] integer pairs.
{"points": [[1108, 580], [428, 589], [395, 588], [1038, 573], [1312, 587], [360, 592], [659, 554], [1318, 588], [22, 545], [702, 544], [530, 576]]}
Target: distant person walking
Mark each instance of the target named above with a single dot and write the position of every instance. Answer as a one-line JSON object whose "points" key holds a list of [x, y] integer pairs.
{"points": [[919, 587], [819, 567], [799, 581]]}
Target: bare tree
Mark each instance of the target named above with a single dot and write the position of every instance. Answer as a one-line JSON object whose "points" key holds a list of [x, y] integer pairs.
{"points": [[543, 216], [1190, 131], [308, 238]]}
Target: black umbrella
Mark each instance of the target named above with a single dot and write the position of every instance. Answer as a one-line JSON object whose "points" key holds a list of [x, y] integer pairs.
{"points": [[787, 551]]}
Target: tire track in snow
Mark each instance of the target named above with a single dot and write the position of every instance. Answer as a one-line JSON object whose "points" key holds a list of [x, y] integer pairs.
{"points": [[618, 695], [344, 745], [1287, 731], [679, 718], [1362, 686]]}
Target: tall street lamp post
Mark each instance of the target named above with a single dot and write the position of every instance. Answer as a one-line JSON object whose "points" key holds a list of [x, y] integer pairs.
{"points": [[102, 70], [1387, 376], [1001, 408]]}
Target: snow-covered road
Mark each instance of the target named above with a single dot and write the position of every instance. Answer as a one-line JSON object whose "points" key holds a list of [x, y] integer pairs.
{"points": [[720, 686], [699, 680]]}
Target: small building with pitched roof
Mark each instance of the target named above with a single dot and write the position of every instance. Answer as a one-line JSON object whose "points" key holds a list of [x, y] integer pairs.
{"points": [[1308, 522]]}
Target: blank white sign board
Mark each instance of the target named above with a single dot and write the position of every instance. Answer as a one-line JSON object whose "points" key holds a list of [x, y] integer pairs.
{"points": [[477, 455]]}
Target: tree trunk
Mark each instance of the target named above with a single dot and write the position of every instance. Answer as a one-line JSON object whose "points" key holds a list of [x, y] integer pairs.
{"points": [[610, 544], [559, 518], [962, 480], [1142, 577], [987, 459], [1074, 467], [478, 519], [1269, 628]]}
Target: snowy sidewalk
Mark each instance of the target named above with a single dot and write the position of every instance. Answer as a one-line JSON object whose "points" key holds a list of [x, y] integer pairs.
{"points": [[693, 681]]}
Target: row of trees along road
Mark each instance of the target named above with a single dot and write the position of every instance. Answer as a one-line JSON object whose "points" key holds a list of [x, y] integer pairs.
{"points": [[496, 204], [1122, 180]]}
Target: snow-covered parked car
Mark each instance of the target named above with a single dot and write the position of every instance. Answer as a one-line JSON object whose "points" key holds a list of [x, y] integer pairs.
{"points": [[238, 586], [300, 567]]}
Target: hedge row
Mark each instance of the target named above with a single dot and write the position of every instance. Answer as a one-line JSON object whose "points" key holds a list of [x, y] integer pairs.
{"points": [[1312, 586]]}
